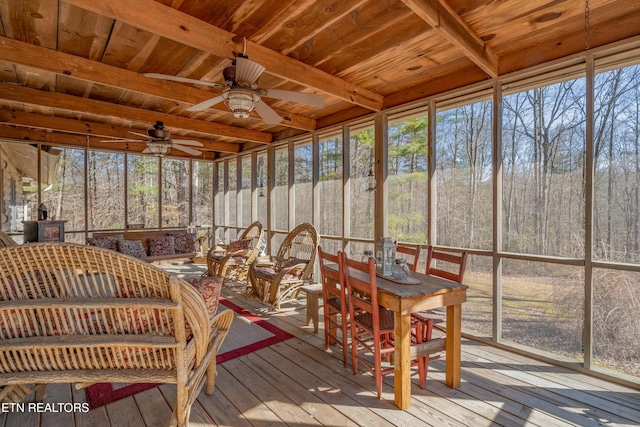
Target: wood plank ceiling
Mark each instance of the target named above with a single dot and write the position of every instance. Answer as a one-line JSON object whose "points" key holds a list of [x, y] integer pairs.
{"points": [[71, 71]]}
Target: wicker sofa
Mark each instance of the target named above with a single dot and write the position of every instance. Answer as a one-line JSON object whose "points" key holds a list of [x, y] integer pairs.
{"points": [[81, 314]]}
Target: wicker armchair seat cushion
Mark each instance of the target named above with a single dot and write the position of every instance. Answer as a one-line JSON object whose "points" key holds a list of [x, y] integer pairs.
{"points": [[270, 273]]}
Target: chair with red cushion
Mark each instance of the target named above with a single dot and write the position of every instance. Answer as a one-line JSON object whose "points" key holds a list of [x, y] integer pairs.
{"points": [[334, 299], [449, 266]]}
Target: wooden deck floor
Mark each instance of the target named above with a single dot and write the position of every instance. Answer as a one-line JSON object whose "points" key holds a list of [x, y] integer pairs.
{"points": [[297, 383]]}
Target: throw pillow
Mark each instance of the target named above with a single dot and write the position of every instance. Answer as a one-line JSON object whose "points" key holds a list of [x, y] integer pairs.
{"points": [[106, 242], [132, 247], [162, 246], [209, 288], [239, 245], [184, 242]]}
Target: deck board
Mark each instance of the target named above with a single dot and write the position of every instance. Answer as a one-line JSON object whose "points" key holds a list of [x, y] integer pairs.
{"points": [[297, 383]]}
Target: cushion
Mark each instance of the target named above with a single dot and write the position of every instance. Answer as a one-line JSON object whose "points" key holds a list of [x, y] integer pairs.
{"points": [[239, 245], [209, 287], [132, 247], [106, 242], [162, 246], [184, 242]]}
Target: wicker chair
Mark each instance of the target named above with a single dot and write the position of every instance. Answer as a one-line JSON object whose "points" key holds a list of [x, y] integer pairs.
{"points": [[6, 241], [281, 278], [234, 264], [80, 314]]}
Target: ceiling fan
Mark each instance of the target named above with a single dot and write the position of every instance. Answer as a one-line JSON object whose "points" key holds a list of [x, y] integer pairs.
{"points": [[159, 141], [242, 94]]}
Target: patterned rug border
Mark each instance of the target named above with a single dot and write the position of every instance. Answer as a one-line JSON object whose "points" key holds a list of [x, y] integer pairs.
{"points": [[101, 394]]}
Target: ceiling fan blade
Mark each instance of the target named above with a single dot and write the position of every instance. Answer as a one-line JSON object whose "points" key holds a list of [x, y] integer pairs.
{"points": [[187, 142], [267, 113], [304, 98], [186, 149], [122, 140], [183, 80], [206, 104], [139, 134], [247, 71]]}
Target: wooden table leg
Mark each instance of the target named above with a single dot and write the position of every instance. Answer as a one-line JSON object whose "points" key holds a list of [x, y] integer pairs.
{"points": [[453, 342], [402, 360]]}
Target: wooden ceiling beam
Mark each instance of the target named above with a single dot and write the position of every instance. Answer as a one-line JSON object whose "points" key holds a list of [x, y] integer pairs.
{"points": [[440, 16], [62, 63], [62, 139], [82, 105], [84, 127], [156, 18]]}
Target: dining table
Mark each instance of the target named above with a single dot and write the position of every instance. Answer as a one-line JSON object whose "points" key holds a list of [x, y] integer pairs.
{"points": [[425, 292]]}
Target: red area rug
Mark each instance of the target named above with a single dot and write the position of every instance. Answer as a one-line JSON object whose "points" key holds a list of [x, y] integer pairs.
{"points": [[251, 334]]}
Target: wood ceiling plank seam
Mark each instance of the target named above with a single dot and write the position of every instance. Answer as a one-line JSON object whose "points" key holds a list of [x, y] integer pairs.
{"points": [[152, 16], [349, 34], [287, 10], [4, 13], [73, 103], [86, 69], [335, 10], [395, 44], [607, 24], [139, 60], [438, 14]]}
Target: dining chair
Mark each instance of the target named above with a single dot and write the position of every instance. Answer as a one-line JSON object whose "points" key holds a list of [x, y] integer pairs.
{"points": [[448, 266], [334, 299], [371, 325], [413, 252]]}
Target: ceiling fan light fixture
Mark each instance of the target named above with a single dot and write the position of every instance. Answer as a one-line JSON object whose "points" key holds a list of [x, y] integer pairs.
{"points": [[158, 149], [241, 102]]}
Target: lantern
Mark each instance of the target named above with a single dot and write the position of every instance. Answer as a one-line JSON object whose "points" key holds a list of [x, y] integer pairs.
{"points": [[42, 212], [385, 256]]}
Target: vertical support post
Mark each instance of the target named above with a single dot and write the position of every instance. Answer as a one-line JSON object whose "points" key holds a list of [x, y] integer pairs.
{"points": [[190, 168], [588, 214], [431, 168], [496, 161], [238, 179], [346, 186], [226, 200], [215, 199], [271, 183], [315, 179], [292, 186], [254, 186], [160, 187], [381, 170], [126, 191]]}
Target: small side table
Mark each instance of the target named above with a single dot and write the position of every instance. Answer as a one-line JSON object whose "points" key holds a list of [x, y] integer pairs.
{"points": [[43, 231], [313, 291]]}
